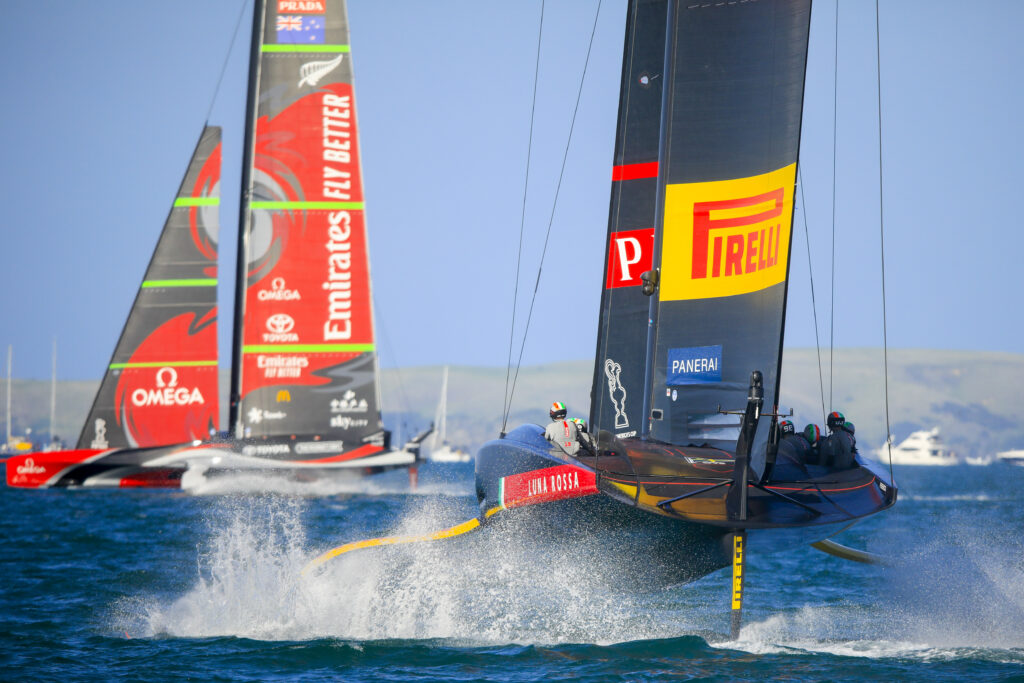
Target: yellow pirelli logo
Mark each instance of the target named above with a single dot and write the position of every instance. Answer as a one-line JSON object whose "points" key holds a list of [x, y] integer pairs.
{"points": [[726, 237], [737, 571]]}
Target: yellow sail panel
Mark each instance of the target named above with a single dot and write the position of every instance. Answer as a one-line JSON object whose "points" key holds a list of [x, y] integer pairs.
{"points": [[726, 237]]}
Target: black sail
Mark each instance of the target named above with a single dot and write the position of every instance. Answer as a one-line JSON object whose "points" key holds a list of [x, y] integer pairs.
{"points": [[160, 387], [729, 144]]}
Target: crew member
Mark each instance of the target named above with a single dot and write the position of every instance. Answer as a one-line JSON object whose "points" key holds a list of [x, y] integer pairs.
{"points": [[838, 447], [586, 439], [562, 431], [812, 433], [793, 446]]}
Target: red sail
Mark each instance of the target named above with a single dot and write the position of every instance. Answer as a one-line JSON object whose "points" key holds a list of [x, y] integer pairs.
{"points": [[161, 385], [307, 344]]}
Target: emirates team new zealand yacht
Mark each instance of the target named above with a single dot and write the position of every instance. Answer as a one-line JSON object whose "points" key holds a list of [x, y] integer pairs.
{"points": [[304, 385], [687, 457]]}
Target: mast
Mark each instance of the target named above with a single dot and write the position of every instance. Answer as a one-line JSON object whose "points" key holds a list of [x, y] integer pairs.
{"points": [[244, 218], [10, 353], [659, 218], [53, 391]]}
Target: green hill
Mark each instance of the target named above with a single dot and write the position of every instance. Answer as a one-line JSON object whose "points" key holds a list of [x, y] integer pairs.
{"points": [[970, 395]]}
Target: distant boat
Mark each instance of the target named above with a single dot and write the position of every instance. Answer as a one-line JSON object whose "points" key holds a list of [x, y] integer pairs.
{"points": [[1015, 457], [923, 447], [305, 392], [440, 449]]}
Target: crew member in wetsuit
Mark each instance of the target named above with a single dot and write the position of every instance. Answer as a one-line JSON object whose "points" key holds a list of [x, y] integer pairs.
{"points": [[793, 446], [586, 440], [562, 431], [838, 447], [812, 434]]}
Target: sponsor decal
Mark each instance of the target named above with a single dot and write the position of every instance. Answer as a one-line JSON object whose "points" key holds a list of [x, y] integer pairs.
{"points": [[546, 485], [100, 431], [310, 73], [167, 391], [278, 292], [282, 366], [630, 253], [306, 447], [301, 6], [346, 422], [626, 435], [257, 415], [267, 449], [726, 237], [279, 329], [284, 396], [338, 326], [616, 392], [30, 467], [299, 29], [349, 404], [694, 365], [708, 461]]}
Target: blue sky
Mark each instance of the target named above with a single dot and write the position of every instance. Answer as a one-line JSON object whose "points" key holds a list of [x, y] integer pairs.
{"points": [[103, 102]]}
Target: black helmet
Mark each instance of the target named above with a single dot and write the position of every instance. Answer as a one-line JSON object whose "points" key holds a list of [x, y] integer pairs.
{"points": [[786, 427], [835, 421], [558, 411]]}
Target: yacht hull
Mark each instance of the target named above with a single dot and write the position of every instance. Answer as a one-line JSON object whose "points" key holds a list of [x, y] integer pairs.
{"points": [[627, 503]]}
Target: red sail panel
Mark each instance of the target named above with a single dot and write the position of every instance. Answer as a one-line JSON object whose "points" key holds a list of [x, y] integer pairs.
{"points": [[307, 359], [160, 387]]}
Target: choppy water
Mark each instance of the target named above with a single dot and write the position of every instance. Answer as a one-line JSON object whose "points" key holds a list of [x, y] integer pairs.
{"points": [[150, 585]]}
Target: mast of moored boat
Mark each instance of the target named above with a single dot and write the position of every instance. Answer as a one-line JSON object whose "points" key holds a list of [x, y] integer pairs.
{"points": [[10, 353], [53, 392], [244, 219]]}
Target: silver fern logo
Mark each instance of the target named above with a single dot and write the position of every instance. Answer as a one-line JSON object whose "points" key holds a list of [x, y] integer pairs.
{"points": [[310, 73]]}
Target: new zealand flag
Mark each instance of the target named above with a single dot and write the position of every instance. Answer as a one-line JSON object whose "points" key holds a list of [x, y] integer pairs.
{"points": [[295, 29]]}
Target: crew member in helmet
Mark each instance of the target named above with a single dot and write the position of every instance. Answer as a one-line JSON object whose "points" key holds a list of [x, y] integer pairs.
{"points": [[812, 434], [562, 431], [792, 446], [838, 447], [586, 440]]}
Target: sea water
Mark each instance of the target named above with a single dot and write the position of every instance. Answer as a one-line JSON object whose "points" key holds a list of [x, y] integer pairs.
{"points": [[206, 585]]}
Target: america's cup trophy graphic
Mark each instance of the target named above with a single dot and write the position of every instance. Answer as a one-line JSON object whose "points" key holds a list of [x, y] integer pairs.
{"points": [[612, 371]]}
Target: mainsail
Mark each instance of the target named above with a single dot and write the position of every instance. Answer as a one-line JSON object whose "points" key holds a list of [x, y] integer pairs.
{"points": [[161, 384], [305, 361], [726, 81]]}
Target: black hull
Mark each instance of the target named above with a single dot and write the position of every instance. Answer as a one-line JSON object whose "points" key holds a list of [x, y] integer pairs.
{"points": [[672, 543]]}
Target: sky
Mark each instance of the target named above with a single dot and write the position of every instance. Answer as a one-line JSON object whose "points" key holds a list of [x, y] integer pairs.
{"points": [[103, 103]]}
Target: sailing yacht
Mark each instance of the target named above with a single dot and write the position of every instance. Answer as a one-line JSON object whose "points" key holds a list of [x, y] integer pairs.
{"points": [[684, 456], [305, 392], [440, 449]]}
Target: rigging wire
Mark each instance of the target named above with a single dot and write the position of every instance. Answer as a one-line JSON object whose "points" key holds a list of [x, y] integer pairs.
{"points": [[227, 56], [551, 218], [881, 233], [810, 271], [507, 406], [403, 400], [835, 136]]}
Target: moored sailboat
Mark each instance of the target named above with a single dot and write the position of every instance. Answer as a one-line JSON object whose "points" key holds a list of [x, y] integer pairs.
{"points": [[305, 393]]}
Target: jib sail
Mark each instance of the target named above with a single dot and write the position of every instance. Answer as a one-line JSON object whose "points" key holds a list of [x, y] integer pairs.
{"points": [[161, 385], [306, 340], [733, 90]]}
